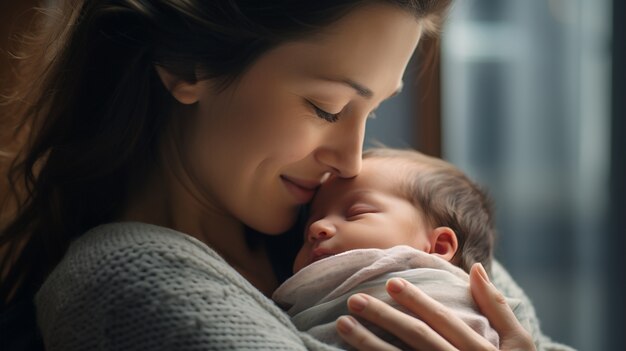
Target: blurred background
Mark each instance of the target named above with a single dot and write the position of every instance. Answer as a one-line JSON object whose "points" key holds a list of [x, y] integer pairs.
{"points": [[528, 97]]}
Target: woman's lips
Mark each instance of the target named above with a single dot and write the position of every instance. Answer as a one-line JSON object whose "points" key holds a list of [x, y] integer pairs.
{"points": [[302, 190]]}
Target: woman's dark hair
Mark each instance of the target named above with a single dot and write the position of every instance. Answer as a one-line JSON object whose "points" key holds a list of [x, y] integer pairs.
{"points": [[92, 110]]}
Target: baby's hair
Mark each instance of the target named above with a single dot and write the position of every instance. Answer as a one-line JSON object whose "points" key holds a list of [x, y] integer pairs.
{"points": [[446, 197]]}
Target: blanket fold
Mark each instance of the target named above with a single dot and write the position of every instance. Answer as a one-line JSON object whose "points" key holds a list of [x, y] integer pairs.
{"points": [[316, 295]]}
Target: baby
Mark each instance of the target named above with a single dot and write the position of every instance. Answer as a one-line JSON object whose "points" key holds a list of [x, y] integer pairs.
{"points": [[405, 215]]}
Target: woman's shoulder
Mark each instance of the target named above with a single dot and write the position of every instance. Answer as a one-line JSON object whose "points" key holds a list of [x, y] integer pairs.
{"points": [[118, 253], [136, 239], [132, 250], [137, 286]]}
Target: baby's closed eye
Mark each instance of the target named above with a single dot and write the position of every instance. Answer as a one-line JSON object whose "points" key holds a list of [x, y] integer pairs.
{"points": [[360, 209]]}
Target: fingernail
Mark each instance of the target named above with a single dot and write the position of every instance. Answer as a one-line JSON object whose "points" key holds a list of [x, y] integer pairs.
{"points": [[483, 273], [395, 285], [357, 303], [345, 324]]}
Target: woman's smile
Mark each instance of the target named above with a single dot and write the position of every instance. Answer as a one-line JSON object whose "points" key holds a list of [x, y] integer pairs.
{"points": [[302, 190]]}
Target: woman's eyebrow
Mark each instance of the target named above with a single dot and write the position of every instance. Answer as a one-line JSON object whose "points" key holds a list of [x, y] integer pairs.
{"points": [[360, 88]]}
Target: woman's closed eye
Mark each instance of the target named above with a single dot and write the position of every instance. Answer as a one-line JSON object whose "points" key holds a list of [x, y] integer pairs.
{"points": [[325, 115], [333, 117]]}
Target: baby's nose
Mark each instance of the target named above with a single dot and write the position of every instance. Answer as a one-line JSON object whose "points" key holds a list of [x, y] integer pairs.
{"points": [[321, 229]]}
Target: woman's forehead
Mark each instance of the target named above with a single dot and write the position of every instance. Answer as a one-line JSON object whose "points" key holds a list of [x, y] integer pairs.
{"points": [[366, 50]]}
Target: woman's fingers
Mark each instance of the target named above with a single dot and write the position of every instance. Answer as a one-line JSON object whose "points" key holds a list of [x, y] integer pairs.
{"points": [[439, 328], [359, 337], [493, 305], [437, 316], [414, 332]]}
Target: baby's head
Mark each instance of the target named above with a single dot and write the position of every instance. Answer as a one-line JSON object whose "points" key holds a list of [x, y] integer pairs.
{"points": [[401, 197]]}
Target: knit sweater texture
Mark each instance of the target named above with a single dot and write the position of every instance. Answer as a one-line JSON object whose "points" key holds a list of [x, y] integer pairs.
{"points": [[135, 286]]}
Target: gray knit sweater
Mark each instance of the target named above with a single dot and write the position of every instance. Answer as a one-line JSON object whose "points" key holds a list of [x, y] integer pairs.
{"points": [[134, 286]]}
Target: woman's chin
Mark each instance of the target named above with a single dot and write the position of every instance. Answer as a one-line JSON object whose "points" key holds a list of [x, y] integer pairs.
{"points": [[275, 224]]}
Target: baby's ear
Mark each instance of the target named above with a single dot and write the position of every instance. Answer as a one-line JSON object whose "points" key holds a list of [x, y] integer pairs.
{"points": [[443, 243], [185, 92]]}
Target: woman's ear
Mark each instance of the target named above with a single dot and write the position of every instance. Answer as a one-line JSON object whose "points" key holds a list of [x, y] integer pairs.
{"points": [[443, 243], [183, 91]]}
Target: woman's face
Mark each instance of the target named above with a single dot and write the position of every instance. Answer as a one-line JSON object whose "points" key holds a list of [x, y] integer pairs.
{"points": [[260, 148]]}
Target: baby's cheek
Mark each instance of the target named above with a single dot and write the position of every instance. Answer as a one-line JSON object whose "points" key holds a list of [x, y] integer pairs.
{"points": [[300, 260]]}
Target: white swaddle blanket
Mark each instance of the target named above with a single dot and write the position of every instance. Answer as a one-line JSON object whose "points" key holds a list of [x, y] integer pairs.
{"points": [[316, 296]]}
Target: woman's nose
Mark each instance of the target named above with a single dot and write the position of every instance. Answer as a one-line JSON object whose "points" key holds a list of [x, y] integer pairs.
{"points": [[321, 230], [343, 151]]}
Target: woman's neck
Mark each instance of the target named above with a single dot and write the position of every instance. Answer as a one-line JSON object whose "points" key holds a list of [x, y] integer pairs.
{"points": [[167, 201]]}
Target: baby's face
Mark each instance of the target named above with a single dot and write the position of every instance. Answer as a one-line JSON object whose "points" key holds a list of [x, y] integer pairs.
{"points": [[362, 212]]}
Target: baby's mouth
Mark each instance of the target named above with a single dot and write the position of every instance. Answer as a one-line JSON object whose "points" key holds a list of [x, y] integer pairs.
{"points": [[320, 253]]}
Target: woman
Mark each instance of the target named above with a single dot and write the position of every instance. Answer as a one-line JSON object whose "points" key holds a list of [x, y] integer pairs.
{"points": [[161, 130]]}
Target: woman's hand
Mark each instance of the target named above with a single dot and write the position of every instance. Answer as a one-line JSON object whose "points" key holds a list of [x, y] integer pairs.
{"points": [[438, 328]]}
